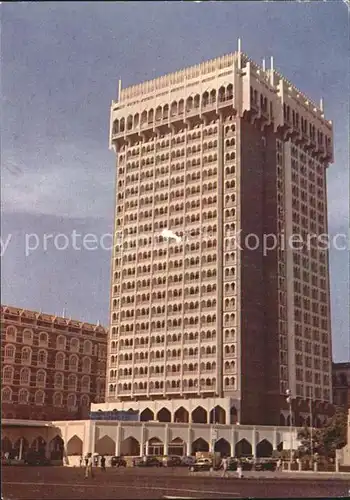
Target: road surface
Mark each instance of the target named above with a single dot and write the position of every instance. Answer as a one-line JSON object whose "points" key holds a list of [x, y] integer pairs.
{"points": [[58, 483]]}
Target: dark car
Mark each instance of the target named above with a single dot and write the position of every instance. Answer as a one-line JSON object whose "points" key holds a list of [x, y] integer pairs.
{"points": [[246, 463], [36, 459], [118, 462], [265, 465], [171, 461], [232, 464], [147, 462]]}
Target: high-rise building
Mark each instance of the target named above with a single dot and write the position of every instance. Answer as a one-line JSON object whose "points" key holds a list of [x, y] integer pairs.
{"points": [[220, 279], [53, 367]]}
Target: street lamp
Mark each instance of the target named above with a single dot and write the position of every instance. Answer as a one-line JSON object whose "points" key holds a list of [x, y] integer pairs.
{"points": [[311, 431], [289, 401]]}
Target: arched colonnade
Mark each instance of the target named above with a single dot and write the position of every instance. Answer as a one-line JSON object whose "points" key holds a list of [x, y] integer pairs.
{"points": [[71, 439]]}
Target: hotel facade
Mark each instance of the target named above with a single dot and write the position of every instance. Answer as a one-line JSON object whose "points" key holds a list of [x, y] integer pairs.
{"points": [[216, 323]]}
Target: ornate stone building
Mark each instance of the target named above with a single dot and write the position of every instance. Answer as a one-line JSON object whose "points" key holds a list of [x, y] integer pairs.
{"points": [[230, 158], [52, 367], [341, 384]]}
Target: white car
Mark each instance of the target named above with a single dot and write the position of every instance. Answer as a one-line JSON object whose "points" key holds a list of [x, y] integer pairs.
{"points": [[201, 464]]}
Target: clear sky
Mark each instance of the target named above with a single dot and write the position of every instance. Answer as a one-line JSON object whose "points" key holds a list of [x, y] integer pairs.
{"points": [[60, 68]]}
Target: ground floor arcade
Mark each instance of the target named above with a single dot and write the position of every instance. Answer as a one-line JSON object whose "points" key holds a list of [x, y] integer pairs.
{"points": [[71, 439]]}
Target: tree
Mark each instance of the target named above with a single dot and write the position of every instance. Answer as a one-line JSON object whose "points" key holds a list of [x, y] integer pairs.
{"points": [[333, 436], [326, 440], [308, 442]]}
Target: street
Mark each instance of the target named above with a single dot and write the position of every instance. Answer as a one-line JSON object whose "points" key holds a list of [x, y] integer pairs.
{"points": [[58, 483]]}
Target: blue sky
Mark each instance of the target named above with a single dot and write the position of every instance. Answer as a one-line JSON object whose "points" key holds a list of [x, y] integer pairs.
{"points": [[60, 68]]}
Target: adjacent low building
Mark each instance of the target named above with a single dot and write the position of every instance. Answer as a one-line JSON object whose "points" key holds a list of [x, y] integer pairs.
{"points": [[341, 384], [69, 440], [52, 367]]}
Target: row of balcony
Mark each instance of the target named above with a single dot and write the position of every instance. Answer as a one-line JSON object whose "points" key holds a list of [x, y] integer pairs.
{"points": [[207, 388], [150, 120]]}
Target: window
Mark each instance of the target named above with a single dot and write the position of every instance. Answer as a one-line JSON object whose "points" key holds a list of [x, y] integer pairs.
{"points": [[86, 365], [11, 333], [72, 383], [61, 342], [42, 358], [41, 378], [7, 374], [74, 345], [85, 401], [25, 376], [23, 396], [6, 395], [27, 336], [98, 386], [26, 355], [43, 339], [39, 397], [73, 362], [60, 361], [59, 381], [9, 354], [57, 399], [88, 347], [71, 401], [85, 383]]}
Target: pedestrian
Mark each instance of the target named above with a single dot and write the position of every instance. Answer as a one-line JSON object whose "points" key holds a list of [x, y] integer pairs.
{"points": [[279, 465], [239, 470], [88, 468], [103, 463], [7, 458], [224, 465]]}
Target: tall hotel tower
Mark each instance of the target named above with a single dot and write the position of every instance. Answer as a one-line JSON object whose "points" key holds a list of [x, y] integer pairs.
{"points": [[206, 325]]}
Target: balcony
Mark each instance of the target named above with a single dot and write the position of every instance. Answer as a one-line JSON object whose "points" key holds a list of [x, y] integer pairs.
{"points": [[209, 105], [157, 360], [208, 388], [173, 389], [191, 342], [156, 390], [230, 355], [205, 371], [135, 391], [174, 358]]}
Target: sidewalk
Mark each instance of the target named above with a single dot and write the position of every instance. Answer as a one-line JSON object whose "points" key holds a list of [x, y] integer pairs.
{"points": [[281, 475]]}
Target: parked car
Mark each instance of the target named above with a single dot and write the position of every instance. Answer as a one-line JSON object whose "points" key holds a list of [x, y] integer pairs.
{"points": [[147, 462], [202, 464], [34, 458], [118, 462], [265, 465], [232, 464], [247, 464], [187, 461], [171, 461]]}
